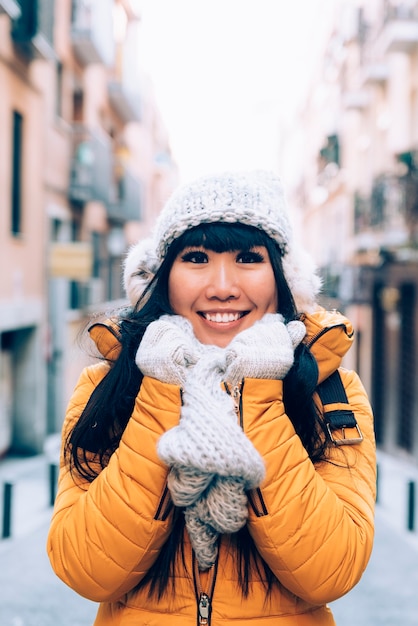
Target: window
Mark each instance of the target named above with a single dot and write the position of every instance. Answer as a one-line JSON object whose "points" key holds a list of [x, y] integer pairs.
{"points": [[16, 199], [59, 89]]}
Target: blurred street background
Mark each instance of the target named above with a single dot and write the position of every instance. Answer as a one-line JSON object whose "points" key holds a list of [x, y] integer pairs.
{"points": [[106, 106]]}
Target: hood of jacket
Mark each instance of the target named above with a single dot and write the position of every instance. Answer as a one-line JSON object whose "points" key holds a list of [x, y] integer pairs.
{"points": [[329, 335]]}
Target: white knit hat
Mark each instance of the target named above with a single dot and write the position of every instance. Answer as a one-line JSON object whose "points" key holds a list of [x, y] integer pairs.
{"points": [[254, 198]]}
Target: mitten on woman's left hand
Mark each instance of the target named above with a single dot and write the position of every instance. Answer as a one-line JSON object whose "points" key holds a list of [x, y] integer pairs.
{"points": [[265, 350], [168, 349]]}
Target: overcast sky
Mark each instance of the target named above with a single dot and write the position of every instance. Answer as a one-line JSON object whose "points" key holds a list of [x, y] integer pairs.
{"points": [[227, 73]]}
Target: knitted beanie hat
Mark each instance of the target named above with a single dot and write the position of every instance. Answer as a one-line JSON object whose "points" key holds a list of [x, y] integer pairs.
{"points": [[253, 198]]}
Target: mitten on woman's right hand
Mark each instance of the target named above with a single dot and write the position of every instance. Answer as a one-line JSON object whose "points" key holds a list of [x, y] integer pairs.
{"points": [[265, 350], [168, 349]]}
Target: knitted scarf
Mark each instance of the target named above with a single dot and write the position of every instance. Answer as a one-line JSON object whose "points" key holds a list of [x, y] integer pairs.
{"points": [[212, 462]]}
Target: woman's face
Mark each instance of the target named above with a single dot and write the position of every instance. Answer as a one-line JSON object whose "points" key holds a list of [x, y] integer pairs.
{"points": [[222, 293]]}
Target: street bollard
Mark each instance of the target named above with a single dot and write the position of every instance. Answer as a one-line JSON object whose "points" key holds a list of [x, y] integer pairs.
{"points": [[411, 505], [53, 470], [7, 510]]}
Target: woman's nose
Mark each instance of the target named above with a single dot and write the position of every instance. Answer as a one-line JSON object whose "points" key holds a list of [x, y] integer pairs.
{"points": [[223, 283]]}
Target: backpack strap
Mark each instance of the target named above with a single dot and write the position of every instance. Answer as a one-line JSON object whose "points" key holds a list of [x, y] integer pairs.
{"points": [[338, 415]]}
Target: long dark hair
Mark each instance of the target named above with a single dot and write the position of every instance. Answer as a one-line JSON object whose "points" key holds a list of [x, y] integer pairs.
{"points": [[97, 433]]}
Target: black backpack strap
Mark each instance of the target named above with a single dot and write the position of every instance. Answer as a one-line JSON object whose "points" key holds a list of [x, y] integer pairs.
{"points": [[338, 415]]}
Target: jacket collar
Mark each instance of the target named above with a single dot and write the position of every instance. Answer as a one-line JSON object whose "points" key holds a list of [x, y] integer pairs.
{"points": [[106, 336]]}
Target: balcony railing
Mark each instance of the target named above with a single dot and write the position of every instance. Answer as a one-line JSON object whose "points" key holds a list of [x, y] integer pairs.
{"points": [[399, 29], [391, 209], [127, 202], [356, 283], [11, 8], [394, 10], [92, 31], [33, 29], [91, 176], [330, 275]]}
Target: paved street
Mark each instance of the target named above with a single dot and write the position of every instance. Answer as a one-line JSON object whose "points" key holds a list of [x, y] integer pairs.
{"points": [[31, 595], [387, 595]]}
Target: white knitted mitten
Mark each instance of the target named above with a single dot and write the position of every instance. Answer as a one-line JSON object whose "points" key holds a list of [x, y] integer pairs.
{"points": [[265, 350], [168, 349]]}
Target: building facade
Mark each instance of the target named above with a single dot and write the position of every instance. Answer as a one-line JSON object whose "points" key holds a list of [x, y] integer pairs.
{"points": [[85, 165], [358, 198]]}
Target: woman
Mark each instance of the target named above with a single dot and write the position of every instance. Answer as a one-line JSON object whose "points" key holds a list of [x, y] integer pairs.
{"points": [[200, 479]]}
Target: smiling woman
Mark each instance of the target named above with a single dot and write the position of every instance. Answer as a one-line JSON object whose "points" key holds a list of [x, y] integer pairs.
{"points": [[200, 479]]}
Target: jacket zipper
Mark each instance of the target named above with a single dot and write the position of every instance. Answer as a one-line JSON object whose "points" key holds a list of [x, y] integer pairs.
{"points": [[204, 598], [236, 394], [323, 331]]}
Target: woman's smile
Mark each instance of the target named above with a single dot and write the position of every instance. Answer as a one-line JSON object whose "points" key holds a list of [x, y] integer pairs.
{"points": [[222, 293]]}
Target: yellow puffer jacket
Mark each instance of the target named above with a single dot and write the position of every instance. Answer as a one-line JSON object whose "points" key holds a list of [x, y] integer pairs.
{"points": [[313, 525]]}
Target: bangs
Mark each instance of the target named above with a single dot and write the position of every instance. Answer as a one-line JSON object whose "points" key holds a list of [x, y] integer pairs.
{"points": [[223, 237]]}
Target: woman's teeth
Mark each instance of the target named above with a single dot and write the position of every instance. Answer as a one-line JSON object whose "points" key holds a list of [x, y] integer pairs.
{"points": [[222, 317]]}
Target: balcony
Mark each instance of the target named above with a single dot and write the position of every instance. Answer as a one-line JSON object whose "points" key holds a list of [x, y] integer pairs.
{"points": [[127, 202], [123, 87], [33, 29], [92, 31], [11, 8], [91, 167], [388, 217], [374, 73], [356, 281], [399, 31], [125, 102], [330, 276], [356, 100]]}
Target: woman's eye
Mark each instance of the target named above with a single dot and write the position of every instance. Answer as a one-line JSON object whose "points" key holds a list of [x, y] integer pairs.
{"points": [[250, 257], [194, 256]]}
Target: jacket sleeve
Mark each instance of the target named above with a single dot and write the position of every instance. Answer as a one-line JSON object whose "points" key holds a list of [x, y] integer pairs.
{"points": [[106, 534], [312, 524]]}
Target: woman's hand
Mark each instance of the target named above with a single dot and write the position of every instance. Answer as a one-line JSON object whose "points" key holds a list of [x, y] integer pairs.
{"points": [[168, 349], [265, 350]]}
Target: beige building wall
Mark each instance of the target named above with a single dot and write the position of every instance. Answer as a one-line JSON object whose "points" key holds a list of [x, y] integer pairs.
{"points": [[22, 280], [86, 79]]}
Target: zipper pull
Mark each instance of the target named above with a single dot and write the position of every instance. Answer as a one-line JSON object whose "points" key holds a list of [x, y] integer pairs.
{"points": [[204, 609], [236, 396]]}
